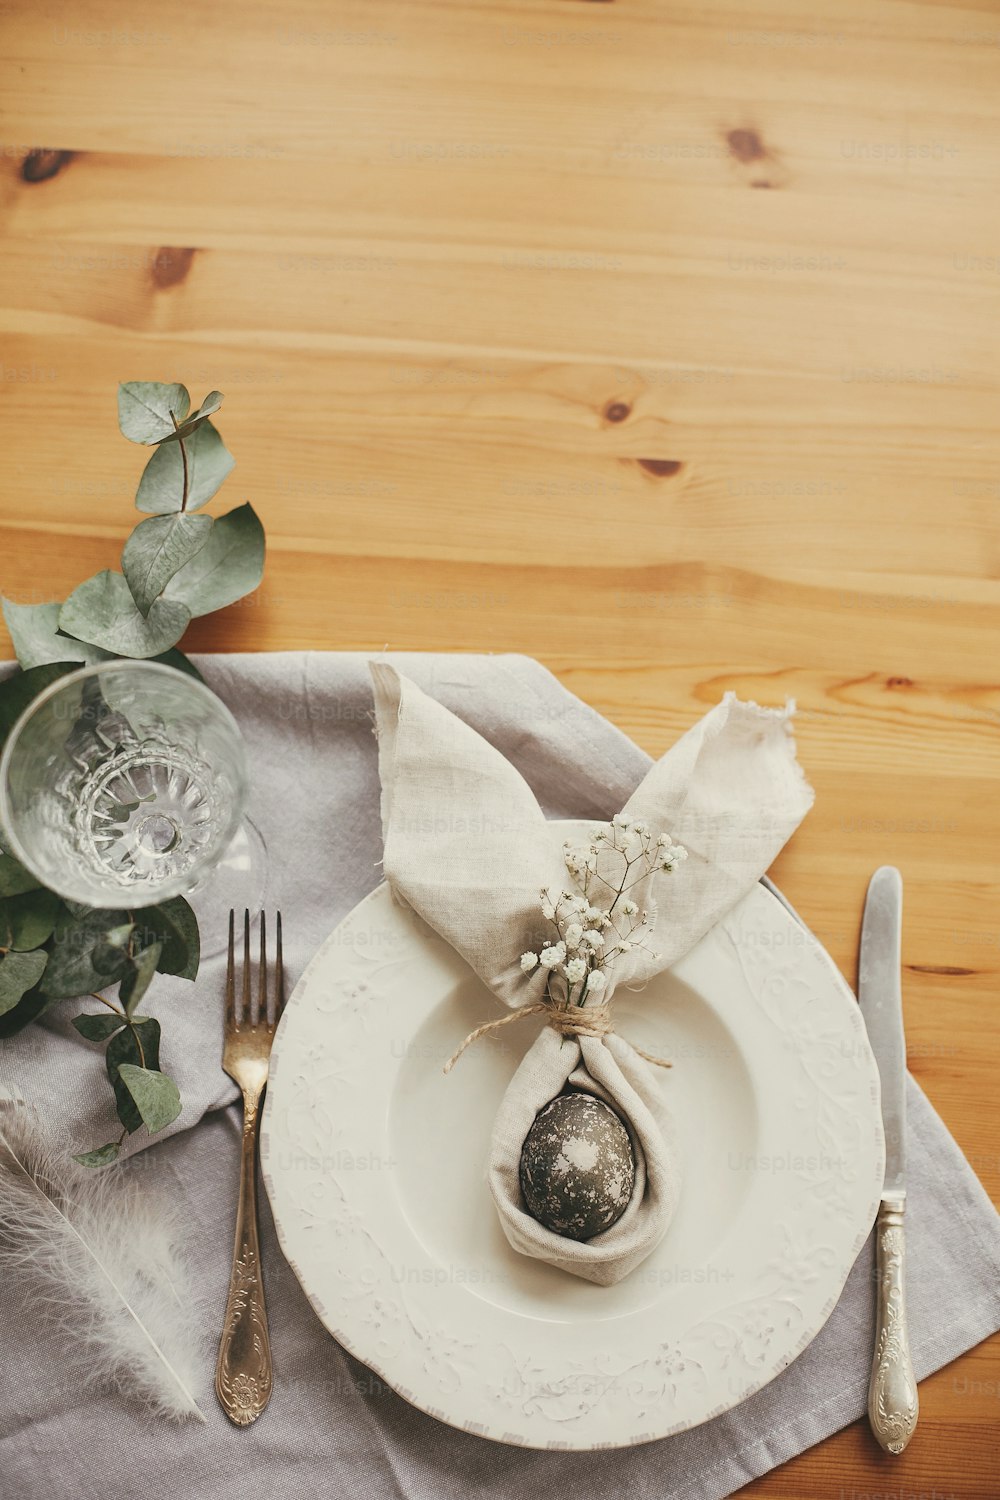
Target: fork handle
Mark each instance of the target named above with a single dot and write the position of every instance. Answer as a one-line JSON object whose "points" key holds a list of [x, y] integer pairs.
{"points": [[243, 1372]]}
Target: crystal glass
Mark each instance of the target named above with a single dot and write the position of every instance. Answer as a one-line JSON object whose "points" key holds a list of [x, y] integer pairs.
{"points": [[124, 784]]}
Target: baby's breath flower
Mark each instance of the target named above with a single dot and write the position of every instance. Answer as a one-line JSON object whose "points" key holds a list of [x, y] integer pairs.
{"points": [[586, 934], [670, 853], [672, 857]]}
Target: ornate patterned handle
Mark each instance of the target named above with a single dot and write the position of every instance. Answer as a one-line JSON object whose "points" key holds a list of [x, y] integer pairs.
{"points": [[243, 1371], [892, 1390]]}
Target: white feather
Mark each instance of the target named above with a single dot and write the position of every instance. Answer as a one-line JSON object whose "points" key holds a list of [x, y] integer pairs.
{"points": [[101, 1259]]}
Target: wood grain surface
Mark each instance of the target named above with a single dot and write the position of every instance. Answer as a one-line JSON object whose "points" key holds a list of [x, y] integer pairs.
{"points": [[659, 341]]}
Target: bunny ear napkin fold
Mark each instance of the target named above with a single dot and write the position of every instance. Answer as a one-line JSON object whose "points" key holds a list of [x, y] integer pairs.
{"points": [[554, 915]]}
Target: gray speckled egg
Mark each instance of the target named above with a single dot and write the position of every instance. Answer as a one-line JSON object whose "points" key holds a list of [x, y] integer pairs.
{"points": [[577, 1166]]}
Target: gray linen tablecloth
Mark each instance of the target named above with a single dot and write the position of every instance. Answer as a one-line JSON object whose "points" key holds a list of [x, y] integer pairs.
{"points": [[334, 1429]]}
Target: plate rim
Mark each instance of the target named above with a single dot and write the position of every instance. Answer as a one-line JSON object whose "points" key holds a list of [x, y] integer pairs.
{"points": [[507, 1438]]}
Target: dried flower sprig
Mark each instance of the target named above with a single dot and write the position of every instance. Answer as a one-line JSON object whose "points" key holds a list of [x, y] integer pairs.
{"points": [[599, 922], [592, 929]]}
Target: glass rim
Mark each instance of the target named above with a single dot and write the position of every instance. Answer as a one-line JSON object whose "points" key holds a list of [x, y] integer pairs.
{"points": [[125, 663]]}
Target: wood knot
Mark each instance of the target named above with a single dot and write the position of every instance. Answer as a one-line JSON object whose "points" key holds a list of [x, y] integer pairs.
{"points": [[170, 266], [764, 168], [617, 411], [899, 682], [39, 166], [661, 467], [746, 145]]}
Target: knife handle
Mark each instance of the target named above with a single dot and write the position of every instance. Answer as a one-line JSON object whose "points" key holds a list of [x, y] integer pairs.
{"points": [[892, 1389]]}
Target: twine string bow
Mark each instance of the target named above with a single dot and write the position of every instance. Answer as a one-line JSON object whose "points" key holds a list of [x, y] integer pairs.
{"points": [[568, 1020]]}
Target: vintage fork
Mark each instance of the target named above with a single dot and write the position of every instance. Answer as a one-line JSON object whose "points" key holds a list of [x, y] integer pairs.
{"points": [[243, 1372]]}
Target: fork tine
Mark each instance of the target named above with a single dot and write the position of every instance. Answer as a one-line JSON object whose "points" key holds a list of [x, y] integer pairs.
{"points": [[262, 977], [231, 976], [247, 1007], [279, 975]]}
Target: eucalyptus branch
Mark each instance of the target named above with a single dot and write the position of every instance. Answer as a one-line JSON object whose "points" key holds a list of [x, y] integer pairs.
{"points": [[178, 564], [111, 1006], [138, 1042], [184, 463]]}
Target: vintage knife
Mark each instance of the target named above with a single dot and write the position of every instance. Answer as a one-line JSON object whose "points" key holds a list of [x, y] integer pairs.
{"points": [[892, 1389]]}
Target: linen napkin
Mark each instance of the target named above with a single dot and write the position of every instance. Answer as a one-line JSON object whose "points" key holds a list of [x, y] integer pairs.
{"points": [[468, 847]]}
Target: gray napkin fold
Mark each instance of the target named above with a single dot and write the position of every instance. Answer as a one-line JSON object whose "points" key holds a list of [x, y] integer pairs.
{"points": [[332, 1427]]}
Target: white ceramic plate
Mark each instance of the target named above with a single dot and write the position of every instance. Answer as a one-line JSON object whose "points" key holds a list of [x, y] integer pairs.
{"points": [[374, 1162]]}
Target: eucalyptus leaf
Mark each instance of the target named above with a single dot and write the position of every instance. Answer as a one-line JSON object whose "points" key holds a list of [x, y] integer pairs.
{"points": [[24, 687], [103, 612], [230, 565], [156, 550], [14, 878], [87, 953], [76, 908], [138, 1046], [27, 920], [116, 936], [161, 488], [28, 1009], [19, 972], [100, 1027], [147, 408], [108, 953], [155, 1095], [208, 407], [179, 662], [137, 977], [34, 629], [101, 1157], [174, 926]]}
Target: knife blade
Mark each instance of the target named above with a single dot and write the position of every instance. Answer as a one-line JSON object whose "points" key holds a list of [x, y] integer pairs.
{"points": [[892, 1390], [881, 995]]}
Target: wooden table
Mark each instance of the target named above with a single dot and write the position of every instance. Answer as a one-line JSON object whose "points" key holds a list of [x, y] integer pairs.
{"points": [[657, 341]]}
